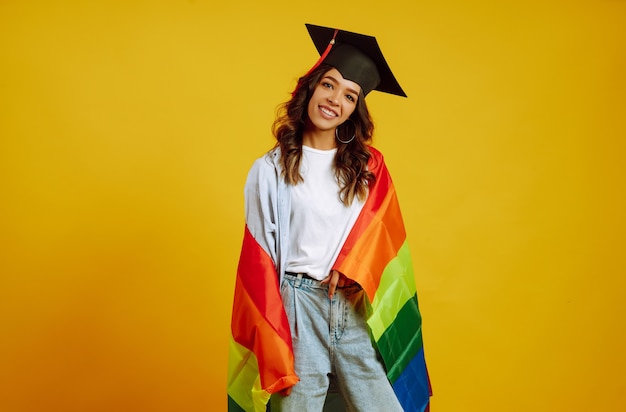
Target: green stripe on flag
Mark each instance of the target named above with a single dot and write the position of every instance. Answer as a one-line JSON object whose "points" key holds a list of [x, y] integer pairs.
{"points": [[402, 339], [233, 406]]}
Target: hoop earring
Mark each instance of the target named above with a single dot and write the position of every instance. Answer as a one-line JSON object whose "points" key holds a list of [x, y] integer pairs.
{"points": [[353, 134]]}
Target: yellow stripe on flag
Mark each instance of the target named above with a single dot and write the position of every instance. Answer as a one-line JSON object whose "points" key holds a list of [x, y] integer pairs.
{"points": [[244, 383], [397, 286]]}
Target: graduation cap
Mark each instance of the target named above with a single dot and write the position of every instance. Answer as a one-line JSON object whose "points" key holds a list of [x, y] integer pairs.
{"points": [[357, 57]]}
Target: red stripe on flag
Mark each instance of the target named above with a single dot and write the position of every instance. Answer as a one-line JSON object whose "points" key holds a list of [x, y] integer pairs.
{"points": [[259, 322], [378, 228]]}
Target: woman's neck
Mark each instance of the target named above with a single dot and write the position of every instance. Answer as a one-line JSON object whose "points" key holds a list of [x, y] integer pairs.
{"points": [[321, 140]]}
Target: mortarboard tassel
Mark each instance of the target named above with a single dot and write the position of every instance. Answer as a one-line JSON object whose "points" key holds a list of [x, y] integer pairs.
{"points": [[319, 61]]}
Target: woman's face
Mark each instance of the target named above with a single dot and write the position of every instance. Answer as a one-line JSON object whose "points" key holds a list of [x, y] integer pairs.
{"points": [[333, 101]]}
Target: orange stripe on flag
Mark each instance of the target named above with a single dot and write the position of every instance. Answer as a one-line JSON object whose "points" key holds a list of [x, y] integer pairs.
{"points": [[274, 356], [385, 235]]}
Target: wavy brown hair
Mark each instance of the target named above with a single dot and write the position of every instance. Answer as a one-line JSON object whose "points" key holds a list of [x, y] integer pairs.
{"points": [[351, 158]]}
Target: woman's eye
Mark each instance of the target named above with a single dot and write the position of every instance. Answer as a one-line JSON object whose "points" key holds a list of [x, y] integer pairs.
{"points": [[327, 85], [350, 97]]}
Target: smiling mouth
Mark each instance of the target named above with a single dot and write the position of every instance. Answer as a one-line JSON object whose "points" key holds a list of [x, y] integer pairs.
{"points": [[328, 112]]}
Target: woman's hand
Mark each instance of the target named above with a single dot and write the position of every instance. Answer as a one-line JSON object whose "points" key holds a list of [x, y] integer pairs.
{"points": [[334, 280], [286, 391]]}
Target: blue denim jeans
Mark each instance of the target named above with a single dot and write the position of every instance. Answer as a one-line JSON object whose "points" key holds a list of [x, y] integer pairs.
{"points": [[332, 347]]}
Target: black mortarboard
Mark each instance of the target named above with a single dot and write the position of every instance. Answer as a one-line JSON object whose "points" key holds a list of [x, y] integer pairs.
{"points": [[357, 57]]}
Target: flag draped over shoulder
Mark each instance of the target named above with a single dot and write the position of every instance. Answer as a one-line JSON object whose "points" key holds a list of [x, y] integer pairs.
{"points": [[260, 353], [376, 255]]}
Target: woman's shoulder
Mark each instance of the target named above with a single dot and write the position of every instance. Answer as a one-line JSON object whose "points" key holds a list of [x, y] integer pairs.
{"points": [[265, 166], [376, 155], [375, 152], [268, 161], [376, 163]]}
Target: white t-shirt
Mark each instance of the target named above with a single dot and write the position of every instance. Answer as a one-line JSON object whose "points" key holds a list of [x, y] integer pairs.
{"points": [[320, 222]]}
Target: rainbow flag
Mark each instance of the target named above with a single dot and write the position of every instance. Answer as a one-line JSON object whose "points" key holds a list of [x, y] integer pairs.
{"points": [[376, 255], [261, 354]]}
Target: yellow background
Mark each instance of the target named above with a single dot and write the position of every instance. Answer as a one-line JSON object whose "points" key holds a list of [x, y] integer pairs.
{"points": [[126, 132]]}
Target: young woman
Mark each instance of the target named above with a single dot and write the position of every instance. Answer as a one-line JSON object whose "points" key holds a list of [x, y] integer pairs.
{"points": [[325, 298]]}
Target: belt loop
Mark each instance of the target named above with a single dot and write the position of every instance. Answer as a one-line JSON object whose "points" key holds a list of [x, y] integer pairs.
{"points": [[299, 281]]}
